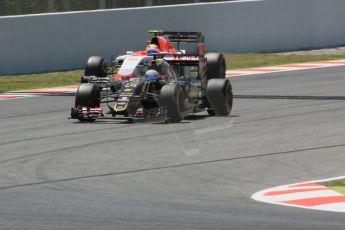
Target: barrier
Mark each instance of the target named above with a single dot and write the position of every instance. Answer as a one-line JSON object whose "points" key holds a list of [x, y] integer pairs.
{"points": [[52, 42]]}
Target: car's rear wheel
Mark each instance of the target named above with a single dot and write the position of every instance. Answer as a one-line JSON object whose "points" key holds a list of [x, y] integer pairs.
{"points": [[220, 97], [96, 66], [216, 66], [171, 97]]}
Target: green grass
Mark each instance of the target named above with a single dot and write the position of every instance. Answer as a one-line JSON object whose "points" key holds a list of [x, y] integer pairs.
{"points": [[38, 81], [338, 186], [234, 61], [249, 60]]}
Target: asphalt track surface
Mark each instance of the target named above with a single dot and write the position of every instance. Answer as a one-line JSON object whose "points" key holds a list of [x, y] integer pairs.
{"points": [[285, 128]]}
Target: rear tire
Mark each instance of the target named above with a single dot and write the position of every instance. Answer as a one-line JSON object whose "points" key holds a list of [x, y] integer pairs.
{"points": [[220, 97], [88, 95], [96, 66], [171, 97], [216, 66]]}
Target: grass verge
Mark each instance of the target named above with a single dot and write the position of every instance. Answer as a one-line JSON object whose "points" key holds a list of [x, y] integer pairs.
{"points": [[234, 61], [249, 60], [39, 81], [338, 186]]}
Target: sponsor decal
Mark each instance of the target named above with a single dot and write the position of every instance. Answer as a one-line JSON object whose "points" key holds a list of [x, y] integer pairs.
{"points": [[181, 58]]}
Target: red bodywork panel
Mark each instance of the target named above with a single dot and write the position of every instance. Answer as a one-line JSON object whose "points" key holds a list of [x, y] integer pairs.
{"points": [[119, 77], [163, 44], [122, 77]]}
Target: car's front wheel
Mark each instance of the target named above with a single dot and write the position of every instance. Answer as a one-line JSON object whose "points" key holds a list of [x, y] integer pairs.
{"points": [[171, 97], [88, 95], [96, 66]]}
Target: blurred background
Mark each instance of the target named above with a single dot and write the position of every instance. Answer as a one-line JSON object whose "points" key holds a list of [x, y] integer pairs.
{"points": [[20, 7]]}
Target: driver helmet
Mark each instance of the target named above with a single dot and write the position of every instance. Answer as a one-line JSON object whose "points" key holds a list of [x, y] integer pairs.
{"points": [[151, 75], [152, 49]]}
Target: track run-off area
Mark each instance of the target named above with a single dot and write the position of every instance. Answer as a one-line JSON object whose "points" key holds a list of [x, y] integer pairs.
{"points": [[285, 128]]}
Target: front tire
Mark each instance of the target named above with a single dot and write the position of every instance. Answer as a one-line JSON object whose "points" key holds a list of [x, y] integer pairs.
{"points": [[220, 97], [96, 66], [88, 95], [171, 97]]}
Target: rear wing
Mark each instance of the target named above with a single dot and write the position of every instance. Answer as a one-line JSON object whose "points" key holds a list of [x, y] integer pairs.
{"points": [[178, 37], [196, 37]]}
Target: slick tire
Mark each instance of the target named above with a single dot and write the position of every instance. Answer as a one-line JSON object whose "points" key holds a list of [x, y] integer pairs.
{"points": [[220, 97], [96, 66], [216, 66], [88, 95], [171, 97]]}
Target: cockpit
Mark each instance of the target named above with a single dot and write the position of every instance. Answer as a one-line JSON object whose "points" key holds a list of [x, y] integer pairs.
{"points": [[137, 66]]}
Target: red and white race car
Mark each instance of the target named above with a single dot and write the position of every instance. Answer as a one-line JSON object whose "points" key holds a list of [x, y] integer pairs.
{"points": [[163, 80]]}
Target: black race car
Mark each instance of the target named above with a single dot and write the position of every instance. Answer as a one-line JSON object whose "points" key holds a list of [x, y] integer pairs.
{"points": [[168, 84]]}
